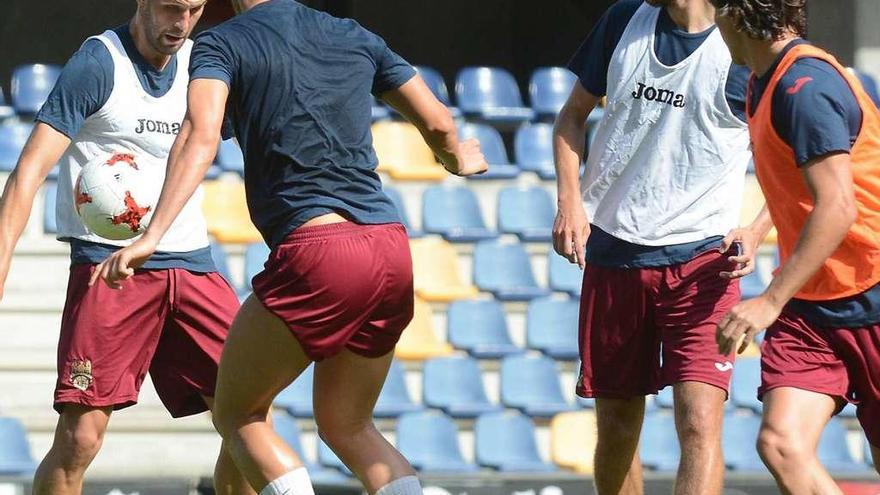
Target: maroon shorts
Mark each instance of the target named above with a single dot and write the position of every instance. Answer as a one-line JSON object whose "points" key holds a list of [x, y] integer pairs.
{"points": [[341, 286], [843, 363], [629, 317], [172, 323]]}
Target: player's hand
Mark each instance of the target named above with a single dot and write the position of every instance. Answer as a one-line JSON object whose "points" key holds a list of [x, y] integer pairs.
{"points": [[469, 160], [745, 260], [122, 264], [570, 232], [738, 327]]}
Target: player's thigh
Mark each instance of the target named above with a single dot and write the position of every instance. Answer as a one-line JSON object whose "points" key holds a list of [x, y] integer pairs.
{"points": [[261, 358], [347, 387], [794, 418]]}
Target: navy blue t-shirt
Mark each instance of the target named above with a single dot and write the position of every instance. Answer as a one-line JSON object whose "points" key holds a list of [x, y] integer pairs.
{"points": [[83, 88], [590, 63], [816, 113], [300, 104]]}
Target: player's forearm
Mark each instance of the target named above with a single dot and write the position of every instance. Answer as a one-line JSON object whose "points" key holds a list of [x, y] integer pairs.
{"points": [[441, 135], [761, 225], [824, 230], [568, 150], [15, 208]]}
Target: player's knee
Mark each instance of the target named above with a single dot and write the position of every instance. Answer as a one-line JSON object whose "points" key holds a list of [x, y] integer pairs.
{"points": [[620, 419], [338, 431], [79, 446], [699, 424], [780, 446]]}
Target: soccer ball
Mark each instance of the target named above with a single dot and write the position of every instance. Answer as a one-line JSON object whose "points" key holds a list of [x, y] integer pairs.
{"points": [[114, 197]]}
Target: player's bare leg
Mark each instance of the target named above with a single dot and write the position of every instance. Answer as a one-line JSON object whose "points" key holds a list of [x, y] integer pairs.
{"points": [[793, 423], [78, 438], [346, 388], [618, 469], [699, 411], [228, 480], [260, 358]]}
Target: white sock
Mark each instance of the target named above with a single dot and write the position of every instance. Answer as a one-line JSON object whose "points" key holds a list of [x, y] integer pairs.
{"points": [[296, 482], [408, 485]]}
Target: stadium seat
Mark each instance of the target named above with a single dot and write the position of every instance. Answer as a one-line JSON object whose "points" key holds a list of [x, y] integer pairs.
{"points": [[573, 440], [848, 411], [869, 84], [868, 456], [213, 172], [738, 439], [659, 448], [533, 149], [397, 199], [15, 451], [296, 399], [436, 272], [394, 399], [504, 269], [480, 328], [230, 157], [255, 256], [531, 384], [563, 275], [403, 154], [6, 111], [528, 212], [12, 140], [745, 383], [419, 341], [492, 147], [552, 327], [549, 89], [227, 214], [491, 94], [833, 451], [506, 441], [753, 284], [435, 82], [664, 398], [31, 85], [429, 441], [455, 385], [289, 431], [378, 111], [49, 198], [329, 459], [221, 261], [453, 212], [587, 403]]}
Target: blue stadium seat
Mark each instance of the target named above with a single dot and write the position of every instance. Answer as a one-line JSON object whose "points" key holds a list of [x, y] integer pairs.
{"points": [[549, 89], [505, 270], [394, 399], [12, 140], [287, 428], [849, 411], [255, 256], [492, 147], [664, 398], [454, 213], [869, 457], [213, 172], [870, 86], [531, 384], [659, 448], [552, 327], [50, 195], [480, 328], [15, 451], [397, 199], [31, 85], [455, 385], [528, 212], [752, 285], [506, 441], [379, 111], [429, 441], [833, 451], [329, 459], [6, 111], [230, 157], [533, 147], [221, 261], [586, 403], [563, 275], [491, 94], [435, 82], [745, 383], [738, 439], [296, 399]]}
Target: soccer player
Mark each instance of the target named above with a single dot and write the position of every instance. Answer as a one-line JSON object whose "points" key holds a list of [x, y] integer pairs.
{"points": [[337, 288], [663, 187], [124, 91], [816, 141]]}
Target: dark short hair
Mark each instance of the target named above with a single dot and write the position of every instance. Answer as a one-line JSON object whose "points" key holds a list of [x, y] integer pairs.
{"points": [[660, 3], [767, 20]]}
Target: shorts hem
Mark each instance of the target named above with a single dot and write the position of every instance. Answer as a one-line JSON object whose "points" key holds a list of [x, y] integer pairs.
{"points": [[116, 404], [606, 394], [308, 352], [371, 353], [725, 386], [762, 390]]}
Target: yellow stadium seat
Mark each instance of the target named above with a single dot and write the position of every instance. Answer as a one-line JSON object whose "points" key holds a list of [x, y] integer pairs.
{"points": [[753, 201], [419, 341], [753, 350], [227, 214], [573, 440], [436, 271], [403, 154]]}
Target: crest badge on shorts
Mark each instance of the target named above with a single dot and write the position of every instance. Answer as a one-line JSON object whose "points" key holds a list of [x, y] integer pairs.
{"points": [[81, 374]]}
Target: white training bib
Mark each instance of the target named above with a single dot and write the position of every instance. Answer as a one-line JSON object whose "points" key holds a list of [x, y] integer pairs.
{"points": [[132, 121], [669, 158]]}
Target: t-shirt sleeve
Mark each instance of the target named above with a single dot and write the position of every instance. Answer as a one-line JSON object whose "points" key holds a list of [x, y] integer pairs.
{"points": [[84, 86], [590, 62], [815, 111], [211, 59], [392, 71], [736, 89]]}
